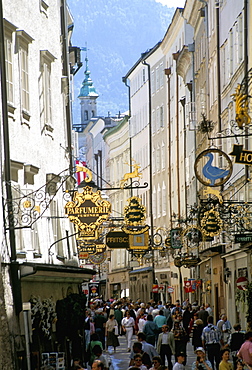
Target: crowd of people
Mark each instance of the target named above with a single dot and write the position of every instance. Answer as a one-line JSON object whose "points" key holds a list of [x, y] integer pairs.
{"points": [[163, 331]]}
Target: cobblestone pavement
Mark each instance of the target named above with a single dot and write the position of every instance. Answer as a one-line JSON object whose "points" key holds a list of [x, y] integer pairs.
{"points": [[120, 360]]}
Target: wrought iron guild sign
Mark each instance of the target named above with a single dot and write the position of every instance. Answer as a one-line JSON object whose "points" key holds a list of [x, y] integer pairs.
{"points": [[211, 175], [134, 217], [242, 102], [88, 211], [131, 175]]}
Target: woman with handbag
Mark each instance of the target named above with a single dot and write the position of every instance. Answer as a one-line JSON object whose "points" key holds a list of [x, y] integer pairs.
{"points": [[111, 332]]}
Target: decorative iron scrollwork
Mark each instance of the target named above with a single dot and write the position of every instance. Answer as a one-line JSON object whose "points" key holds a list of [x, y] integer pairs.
{"points": [[29, 208]]}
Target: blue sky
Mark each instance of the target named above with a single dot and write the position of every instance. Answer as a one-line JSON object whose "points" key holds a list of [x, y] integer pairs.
{"points": [[172, 3]]}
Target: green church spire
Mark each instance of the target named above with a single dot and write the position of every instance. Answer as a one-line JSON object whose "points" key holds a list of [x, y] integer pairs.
{"points": [[87, 88]]}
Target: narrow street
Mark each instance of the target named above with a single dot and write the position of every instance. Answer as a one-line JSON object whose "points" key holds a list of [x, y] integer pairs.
{"points": [[120, 360]]}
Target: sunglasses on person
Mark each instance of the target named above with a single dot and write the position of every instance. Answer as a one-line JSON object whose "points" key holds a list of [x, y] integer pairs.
{"points": [[155, 362], [138, 359]]}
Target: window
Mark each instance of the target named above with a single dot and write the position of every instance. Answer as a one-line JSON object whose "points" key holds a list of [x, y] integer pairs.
{"points": [[143, 75], [163, 156], [152, 82], [159, 202], [8, 48], [163, 199], [162, 116], [46, 59], [157, 79], [23, 46], [158, 163], [161, 74], [86, 115], [153, 160], [154, 202], [153, 121], [158, 119]]}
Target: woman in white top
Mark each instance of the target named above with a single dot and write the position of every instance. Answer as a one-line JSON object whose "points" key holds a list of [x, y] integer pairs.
{"points": [[127, 326]]}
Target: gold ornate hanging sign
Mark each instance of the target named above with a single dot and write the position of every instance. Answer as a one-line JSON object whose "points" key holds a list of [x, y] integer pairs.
{"points": [[88, 211], [134, 217], [211, 223]]}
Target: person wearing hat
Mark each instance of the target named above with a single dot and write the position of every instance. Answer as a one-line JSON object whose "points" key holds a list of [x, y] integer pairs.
{"points": [[180, 360], [201, 363]]}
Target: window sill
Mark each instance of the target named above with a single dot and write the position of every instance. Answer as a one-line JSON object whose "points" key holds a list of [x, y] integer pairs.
{"points": [[11, 111], [26, 118]]}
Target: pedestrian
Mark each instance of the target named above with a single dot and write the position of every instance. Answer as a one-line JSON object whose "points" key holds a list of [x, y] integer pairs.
{"points": [[201, 363], [192, 322], [141, 322], [156, 363], [100, 357], [160, 305], [239, 365], [147, 347], [94, 340], [176, 308], [187, 315], [166, 345], [209, 309], [245, 352], [227, 329], [138, 349], [118, 317], [100, 322], [235, 342], [155, 311], [181, 339], [87, 329], [150, 330], [138, 362], [196, 333], [203, 315], [160, 320], [111, 332], [77, 364], [167, 313], [97, 365], [212, 341], [128, 324], [225, 364], [180, 361]]}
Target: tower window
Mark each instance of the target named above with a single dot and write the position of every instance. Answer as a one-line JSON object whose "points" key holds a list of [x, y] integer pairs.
{"points": [[86, 115]]}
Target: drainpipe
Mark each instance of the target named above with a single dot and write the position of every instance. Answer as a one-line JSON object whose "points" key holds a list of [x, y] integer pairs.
{"points": [[124, 80], [168, 73], [183, 101], [245, 73], [175, 57], [218, 67], [100, 155], [150, 159], [14, 265], [65, 72]]}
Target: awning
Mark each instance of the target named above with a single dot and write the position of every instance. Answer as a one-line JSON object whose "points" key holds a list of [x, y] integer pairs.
{"points": [[54, 273], [144, 269]]}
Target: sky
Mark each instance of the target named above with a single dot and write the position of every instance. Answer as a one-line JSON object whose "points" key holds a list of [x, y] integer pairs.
{"points": [[172, 3]]}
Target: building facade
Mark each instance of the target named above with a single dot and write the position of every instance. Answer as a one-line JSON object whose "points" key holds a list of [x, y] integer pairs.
{"points": [[39, 257]]}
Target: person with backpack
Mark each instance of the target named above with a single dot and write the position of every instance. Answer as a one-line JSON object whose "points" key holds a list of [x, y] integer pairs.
{"points": [[212, 341]]}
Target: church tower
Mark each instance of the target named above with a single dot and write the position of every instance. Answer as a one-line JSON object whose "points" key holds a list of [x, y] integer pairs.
{"points": [[87, 96]]}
